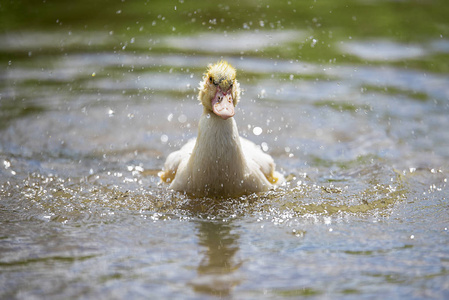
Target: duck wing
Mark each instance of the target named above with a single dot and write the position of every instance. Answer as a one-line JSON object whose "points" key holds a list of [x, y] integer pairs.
{"points": [[261, 160], [174, 159]]}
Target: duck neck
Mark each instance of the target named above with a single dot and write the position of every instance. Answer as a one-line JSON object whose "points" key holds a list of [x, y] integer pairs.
{"points": [[220, 136], [217, 156]]}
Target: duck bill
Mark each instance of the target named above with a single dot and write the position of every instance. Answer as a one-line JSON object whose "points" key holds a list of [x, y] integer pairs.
{"points": [[223, 104]]}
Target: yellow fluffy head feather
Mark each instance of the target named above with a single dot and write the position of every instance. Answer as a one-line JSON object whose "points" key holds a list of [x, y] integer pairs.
{"points": [[219, 74]]}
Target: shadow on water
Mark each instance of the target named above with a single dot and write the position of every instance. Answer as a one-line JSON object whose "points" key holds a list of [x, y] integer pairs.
{"points": [[216, 273], [218, 270]]}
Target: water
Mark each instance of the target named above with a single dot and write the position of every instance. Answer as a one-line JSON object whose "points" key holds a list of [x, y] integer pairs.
{"points": [[350, 98]]}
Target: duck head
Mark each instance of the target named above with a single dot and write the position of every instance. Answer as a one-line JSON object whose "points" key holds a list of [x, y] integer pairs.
{"points": [[219, 90]]}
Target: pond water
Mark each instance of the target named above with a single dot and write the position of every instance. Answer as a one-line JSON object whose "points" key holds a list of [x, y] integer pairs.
{"points": [[351, 98]]}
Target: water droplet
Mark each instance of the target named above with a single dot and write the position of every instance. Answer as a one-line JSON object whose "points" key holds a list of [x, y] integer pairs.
{"points": [[164, 138], [182, 118], [264, 146], [257, 130], [7, 164], [111, 113]]}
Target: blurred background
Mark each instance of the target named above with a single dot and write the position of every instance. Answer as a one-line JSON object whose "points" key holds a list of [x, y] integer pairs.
{"points": [[350, 98]]}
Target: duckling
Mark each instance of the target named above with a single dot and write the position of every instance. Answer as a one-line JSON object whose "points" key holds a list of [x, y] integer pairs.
{"points": [[220, 163]]}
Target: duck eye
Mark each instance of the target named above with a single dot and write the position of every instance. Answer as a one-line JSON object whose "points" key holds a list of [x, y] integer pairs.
{"points": [[212, 81]]}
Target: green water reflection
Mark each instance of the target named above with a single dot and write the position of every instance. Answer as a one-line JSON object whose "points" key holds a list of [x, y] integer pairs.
{"points": [[139, 26]]}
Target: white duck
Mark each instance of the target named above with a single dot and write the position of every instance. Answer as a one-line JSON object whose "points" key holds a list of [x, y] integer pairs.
{"points": [[219, 163]]}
